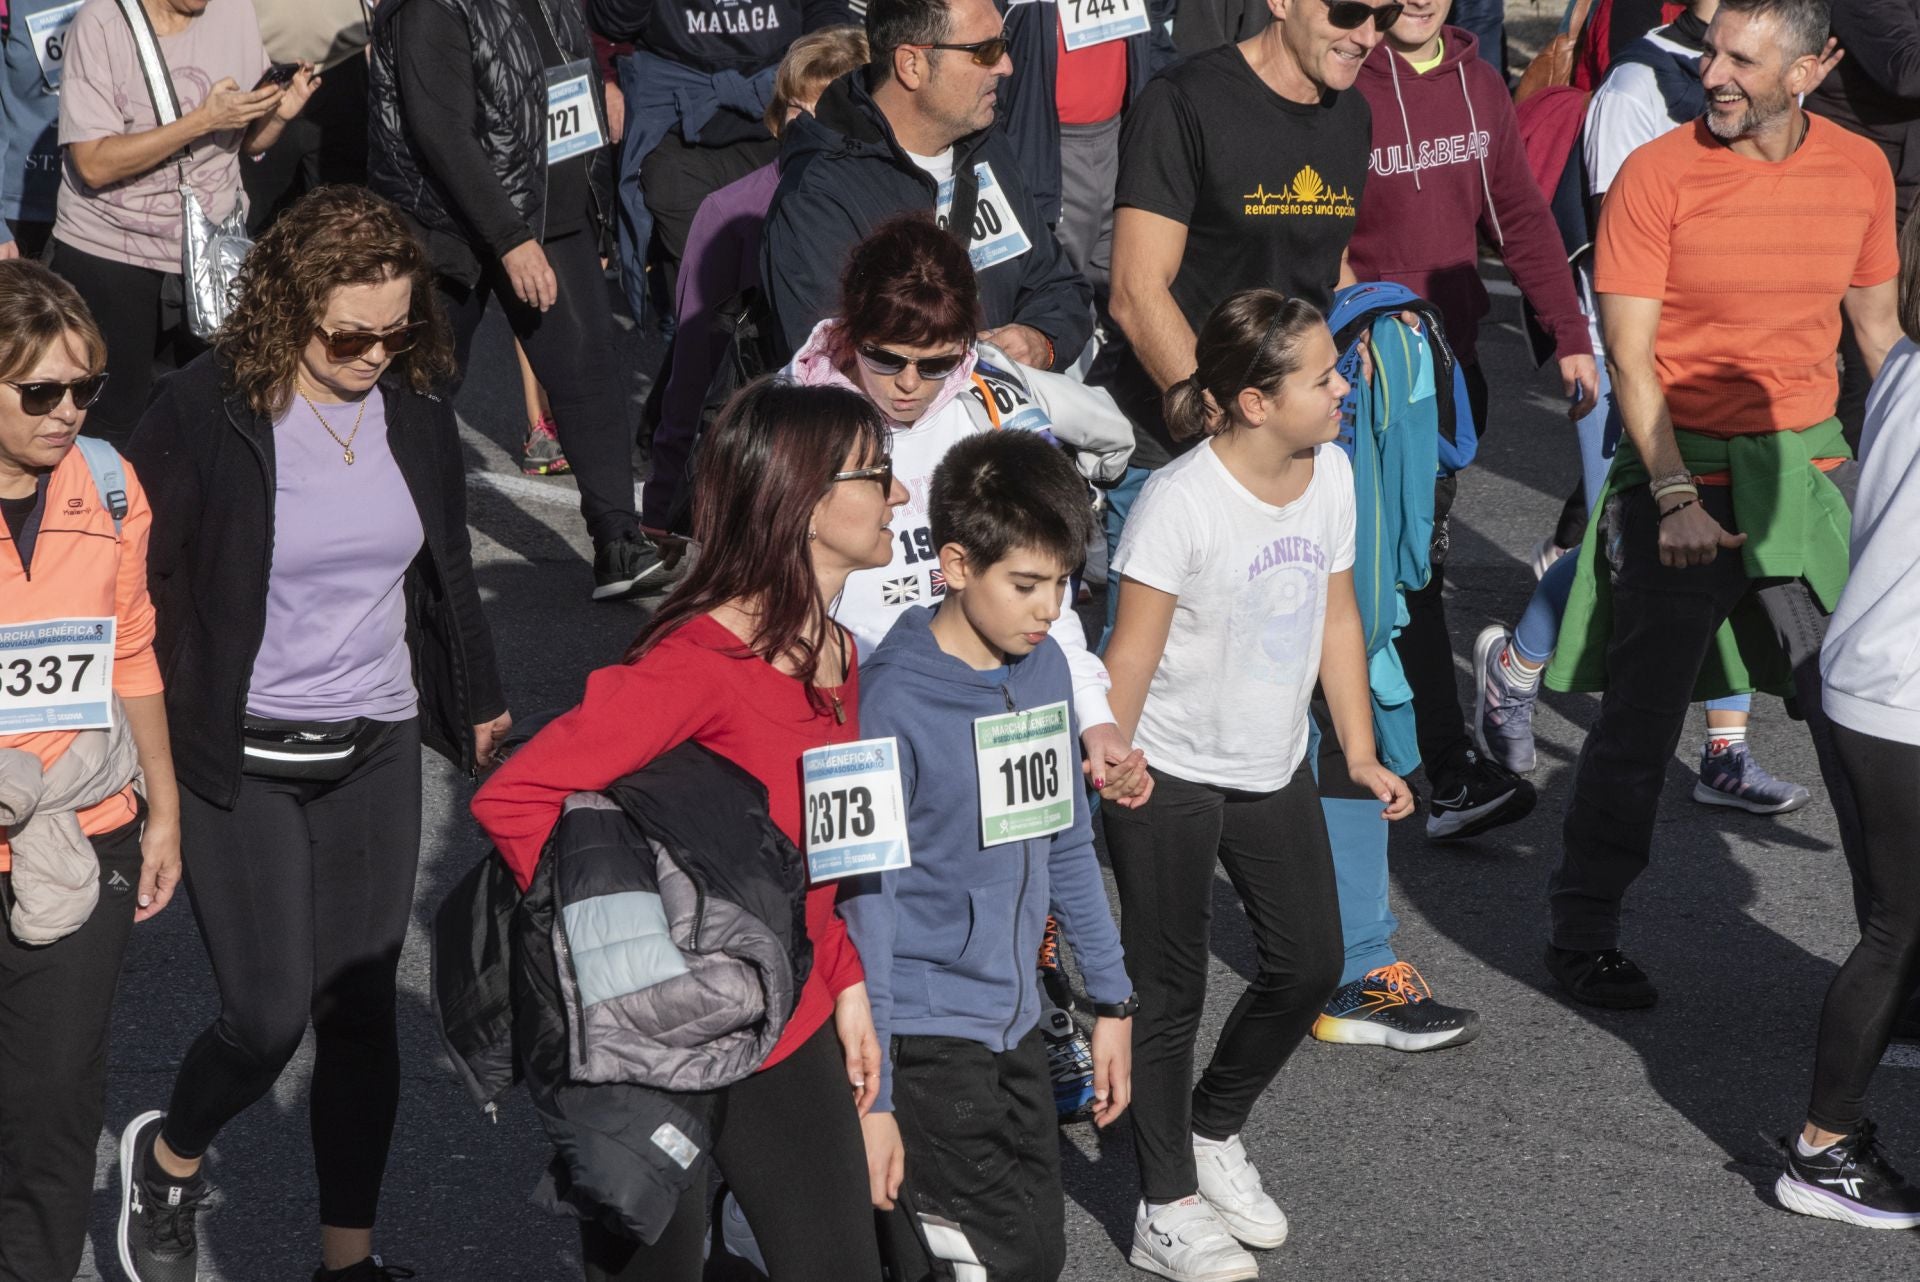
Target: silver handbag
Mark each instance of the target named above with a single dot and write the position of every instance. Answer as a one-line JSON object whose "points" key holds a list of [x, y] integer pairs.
{"points": [[210, 252]]}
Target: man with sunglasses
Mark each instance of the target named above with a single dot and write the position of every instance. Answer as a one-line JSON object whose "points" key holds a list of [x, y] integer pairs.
{"points": [[914, 131]]}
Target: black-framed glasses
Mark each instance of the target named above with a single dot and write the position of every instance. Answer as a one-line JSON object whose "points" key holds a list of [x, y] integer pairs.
{"points": [[351, 344], [881, 472], [985, 53], [887, 364], [42, 396], [1348, 14]]}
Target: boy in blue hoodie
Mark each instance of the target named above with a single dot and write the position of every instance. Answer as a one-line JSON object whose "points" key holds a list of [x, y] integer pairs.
{"points": [[979, 701]]}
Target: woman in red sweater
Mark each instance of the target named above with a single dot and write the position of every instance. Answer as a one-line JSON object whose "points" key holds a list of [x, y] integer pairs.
{"points": [[793, 492]]}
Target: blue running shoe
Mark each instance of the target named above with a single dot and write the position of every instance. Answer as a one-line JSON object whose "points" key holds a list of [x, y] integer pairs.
{"points": [[1392, 1006], [1502, 711], [1731, 777], [1070, 1064]]}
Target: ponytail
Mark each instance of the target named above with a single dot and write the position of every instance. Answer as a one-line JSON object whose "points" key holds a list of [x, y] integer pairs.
{"points": [[1190, 412], [1252, 339]]}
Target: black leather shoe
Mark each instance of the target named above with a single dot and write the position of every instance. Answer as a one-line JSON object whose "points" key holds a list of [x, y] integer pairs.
{"points": [[1602, 977]]}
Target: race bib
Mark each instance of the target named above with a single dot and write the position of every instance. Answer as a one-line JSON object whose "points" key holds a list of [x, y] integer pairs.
{"points": [[47, 33], [1008, 400], [56, 674], [1094, 22], [1025, 762], [856, 817], [997, 234], [573, 122]]}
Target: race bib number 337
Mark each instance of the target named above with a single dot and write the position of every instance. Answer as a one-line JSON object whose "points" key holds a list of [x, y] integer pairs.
{"points": [[1026, 764], [56, 674]]}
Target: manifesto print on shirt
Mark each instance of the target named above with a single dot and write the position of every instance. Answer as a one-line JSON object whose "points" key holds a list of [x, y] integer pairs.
{"points": [[1276, 617]]}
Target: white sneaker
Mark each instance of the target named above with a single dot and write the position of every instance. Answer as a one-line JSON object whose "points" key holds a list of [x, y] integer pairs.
{"points": [[1231, 1187], [1188, 1242], [1545, 553]]}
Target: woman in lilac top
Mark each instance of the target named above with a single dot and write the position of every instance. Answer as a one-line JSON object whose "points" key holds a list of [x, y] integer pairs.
{"points": [[318, 622]]}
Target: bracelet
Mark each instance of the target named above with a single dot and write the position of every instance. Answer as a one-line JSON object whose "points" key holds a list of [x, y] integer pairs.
{"points": [[1656, 484], [1677, 487], [1678, 507], [1049, 343]]}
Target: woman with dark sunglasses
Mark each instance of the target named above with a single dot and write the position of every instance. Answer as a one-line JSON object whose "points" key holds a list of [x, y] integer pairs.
{"points": [[318, 623], [80, 708]]}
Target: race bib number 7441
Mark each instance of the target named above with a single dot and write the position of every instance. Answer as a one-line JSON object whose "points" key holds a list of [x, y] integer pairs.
{"points": [[56, 674]]}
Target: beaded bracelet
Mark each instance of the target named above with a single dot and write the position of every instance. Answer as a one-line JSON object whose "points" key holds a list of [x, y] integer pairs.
{"points": [[1678, 507]]}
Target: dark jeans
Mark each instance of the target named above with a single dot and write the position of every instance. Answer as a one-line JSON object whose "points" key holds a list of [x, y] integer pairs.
{"points": [[1664, 620], [1275, 852], [139, 314], [788, 1144], [303, 892], [1878, 977], [55, 1006], [983, 1150], [571, 350]]}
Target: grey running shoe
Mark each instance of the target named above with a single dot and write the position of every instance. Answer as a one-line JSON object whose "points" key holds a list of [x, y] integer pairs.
{"points": [[1502, 712], [1731, 777]]}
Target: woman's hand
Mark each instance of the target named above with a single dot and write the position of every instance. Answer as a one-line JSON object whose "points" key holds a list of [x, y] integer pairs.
{"points": [[487, 739], [886, 1158], [1118, 771], [853, 1023], [299, 90], [531, 275], [1389, 787], [227, 107], [159, 867], [1112, 1069]]}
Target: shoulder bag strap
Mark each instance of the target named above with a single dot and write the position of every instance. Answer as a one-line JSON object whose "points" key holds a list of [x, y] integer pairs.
{"points": [[153, 66]]}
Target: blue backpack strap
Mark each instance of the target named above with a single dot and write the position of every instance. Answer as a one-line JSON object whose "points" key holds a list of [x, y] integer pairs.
{"points": [[109, 475]]}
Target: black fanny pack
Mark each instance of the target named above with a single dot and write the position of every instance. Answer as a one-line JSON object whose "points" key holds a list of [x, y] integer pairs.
{"points": [[318, 751]]}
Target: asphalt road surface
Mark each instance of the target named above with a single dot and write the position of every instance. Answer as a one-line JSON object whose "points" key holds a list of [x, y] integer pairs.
{"points": [[1564, 1143]]}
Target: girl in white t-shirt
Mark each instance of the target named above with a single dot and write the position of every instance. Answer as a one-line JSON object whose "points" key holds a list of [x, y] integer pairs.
{"points": [[1236, 598]]}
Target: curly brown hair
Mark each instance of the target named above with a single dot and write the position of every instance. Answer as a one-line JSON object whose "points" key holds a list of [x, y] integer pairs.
{"points": [[333, 236]]}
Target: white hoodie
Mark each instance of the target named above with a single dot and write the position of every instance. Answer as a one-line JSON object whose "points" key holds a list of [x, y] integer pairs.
{"points": [[873, 599], [1871, 660]]}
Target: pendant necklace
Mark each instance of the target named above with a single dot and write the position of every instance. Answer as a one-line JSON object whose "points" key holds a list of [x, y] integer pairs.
{"points": [[346, 446]]}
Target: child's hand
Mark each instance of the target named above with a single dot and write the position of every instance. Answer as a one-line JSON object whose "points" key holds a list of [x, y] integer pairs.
{"points": [[1112, 1069], [1384, 784], [886, 1158], [1128, 783], [1118, 770]]}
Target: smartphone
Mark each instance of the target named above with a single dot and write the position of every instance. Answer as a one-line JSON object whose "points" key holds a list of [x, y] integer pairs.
{"points": [[279, 73]]}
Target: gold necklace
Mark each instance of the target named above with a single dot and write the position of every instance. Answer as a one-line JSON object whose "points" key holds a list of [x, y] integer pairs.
{"points": [[346, 446]]}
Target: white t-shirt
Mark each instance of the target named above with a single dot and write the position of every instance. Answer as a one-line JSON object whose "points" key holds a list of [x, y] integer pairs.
{"points": [[1627, 111], [1229, 703], [939, 167]]}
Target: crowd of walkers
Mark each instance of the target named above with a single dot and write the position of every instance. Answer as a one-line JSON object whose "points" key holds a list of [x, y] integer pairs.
{"points": [[970, 309]]}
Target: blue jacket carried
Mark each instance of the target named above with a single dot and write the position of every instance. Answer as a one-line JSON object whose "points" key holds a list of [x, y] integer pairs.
{"points": [[948, 944]]}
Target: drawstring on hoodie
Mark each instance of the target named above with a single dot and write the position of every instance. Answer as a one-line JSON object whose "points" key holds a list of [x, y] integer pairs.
{"points": [[1473, 124]]}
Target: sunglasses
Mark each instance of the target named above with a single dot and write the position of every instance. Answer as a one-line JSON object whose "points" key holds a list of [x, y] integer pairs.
{"points": [[42, 398], [985, 53], [887, 364], [881, 472], [351, 344], [1348, 14]]}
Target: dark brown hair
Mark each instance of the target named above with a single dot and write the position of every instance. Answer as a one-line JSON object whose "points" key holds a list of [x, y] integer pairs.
{"points": [[37, 310], [908, 283], [997, 492], [768, 461], [333, 236], [1252, 339]]}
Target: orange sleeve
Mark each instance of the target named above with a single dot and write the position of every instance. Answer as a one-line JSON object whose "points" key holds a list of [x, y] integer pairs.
{"points": [[136, 670], [1635, 240], [1879, 249]]}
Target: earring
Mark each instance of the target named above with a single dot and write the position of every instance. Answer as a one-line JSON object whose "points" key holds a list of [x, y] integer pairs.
{"points": [[812, 534]]}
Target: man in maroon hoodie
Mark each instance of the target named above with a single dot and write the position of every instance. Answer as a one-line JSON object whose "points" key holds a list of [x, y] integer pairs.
{"points": [[1448, 167]]}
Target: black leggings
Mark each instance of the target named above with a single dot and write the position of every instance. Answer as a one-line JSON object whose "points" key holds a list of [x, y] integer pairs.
{"points": [[303, 892], [1879, 975], [788, 1143], [138, 312], [570, 347], [1274, 849]]}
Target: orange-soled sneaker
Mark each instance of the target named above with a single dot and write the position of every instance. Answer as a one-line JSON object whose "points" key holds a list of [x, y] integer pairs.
{"points": [[1392, 1006]]}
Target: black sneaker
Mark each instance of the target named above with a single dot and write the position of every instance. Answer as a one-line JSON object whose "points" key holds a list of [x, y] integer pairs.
{"points": [[1602, 977], [1471, 794], [1392, 1006], [1852, 1182], [368, 1270], [157, 1242], [624, 567]]}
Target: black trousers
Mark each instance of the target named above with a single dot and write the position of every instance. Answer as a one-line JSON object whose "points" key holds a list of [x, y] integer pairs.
{"points": [[677, 176], [1879, 975], [56, 1001], [571, 350], [788, 1144], [983, 1150], [303, 892], [139, 314], [1275, 852], [1664, 620]]}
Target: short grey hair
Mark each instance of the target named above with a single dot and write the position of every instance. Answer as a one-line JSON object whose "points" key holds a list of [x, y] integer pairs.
{"points": [[1804, 24]]}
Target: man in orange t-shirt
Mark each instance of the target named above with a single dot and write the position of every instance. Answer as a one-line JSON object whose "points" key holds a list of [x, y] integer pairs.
{"points": [[1726, 253]]}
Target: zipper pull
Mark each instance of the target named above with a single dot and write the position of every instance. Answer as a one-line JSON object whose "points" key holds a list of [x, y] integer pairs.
{"points": [[492, 1110], [1007, 694]]}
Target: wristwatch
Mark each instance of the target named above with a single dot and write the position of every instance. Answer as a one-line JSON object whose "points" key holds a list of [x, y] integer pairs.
{"points": [[1118, 1010]]}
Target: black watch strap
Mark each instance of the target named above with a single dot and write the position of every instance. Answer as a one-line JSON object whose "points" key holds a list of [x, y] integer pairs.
{"points": [[1118, 1010]]}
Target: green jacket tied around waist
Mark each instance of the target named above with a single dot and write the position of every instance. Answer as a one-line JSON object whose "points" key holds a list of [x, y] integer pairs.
{"points": [[1797, 525]]}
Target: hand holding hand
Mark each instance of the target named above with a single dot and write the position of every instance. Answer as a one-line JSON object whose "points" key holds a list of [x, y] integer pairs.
{"points": [[1118, 770]]}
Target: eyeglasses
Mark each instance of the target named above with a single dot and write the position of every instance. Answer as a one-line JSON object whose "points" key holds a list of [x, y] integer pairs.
{"points": [[1348, 14], [881, 472], [351, 344], [887, 364], [42, 397], [985, 53]]}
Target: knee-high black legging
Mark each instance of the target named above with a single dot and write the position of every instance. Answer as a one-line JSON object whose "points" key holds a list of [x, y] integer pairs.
{"points": [[570, 347], [1879, 975]]}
